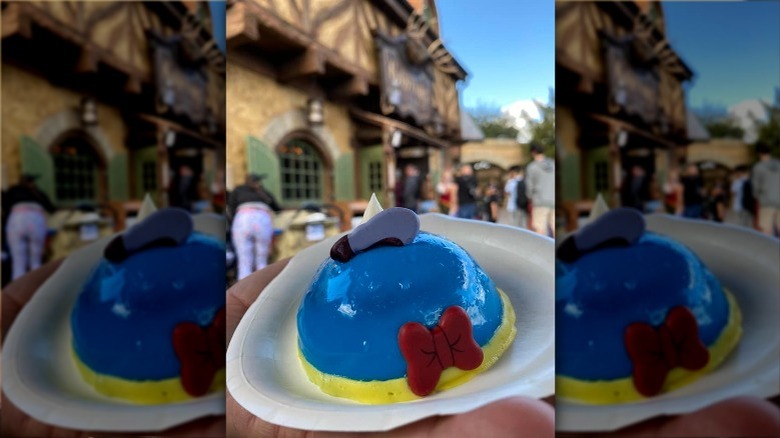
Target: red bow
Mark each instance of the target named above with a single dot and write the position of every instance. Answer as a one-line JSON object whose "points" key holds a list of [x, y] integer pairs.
{"points": [[655, 351], [201, 353], [429, 352]]}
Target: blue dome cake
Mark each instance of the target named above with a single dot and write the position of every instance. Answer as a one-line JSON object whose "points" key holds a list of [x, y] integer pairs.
{"points": [[363, 317], [149, 323], [636, 314]]}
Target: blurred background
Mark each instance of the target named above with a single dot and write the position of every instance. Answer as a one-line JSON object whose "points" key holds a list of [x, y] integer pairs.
{"points": [[332, 101], [103, 103], [662, 106]]}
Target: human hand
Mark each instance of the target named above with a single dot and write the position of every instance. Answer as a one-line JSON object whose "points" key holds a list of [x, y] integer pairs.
{"points": [[16, 423], [735, 417], [516, 416]]}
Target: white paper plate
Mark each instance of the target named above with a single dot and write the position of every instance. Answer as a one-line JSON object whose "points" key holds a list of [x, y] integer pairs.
{"points": [[40, 376], [745, 262], [266, 378]]}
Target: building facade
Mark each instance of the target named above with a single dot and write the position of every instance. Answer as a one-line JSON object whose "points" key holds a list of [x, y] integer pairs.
{"points": [[104, 101], [330, 99], [620, 100]]}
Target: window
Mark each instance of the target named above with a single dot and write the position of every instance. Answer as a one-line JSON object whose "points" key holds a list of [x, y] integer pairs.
{"points": [[301, 172], [375, 176], [76, 168], [149, 176], [602, 176]]}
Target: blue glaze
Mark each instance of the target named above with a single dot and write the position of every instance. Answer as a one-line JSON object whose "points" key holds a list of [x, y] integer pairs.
{"points": [[349, 319], [600, 294], [124, 317]]}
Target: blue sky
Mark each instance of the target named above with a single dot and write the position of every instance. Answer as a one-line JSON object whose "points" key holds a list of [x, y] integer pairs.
{"points": [[733, 48], [508, 47]]}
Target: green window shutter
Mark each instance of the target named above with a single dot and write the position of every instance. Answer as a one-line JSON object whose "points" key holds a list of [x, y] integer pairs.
{"points": [[37, 161], [570, 166], [368, 156], [345, 177], [263, 161], [117, 178], [141, 156]]}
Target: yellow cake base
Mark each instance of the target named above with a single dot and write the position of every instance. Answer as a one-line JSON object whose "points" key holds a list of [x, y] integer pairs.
{"points": [[147, 392], [605, 392], [396, 390]]}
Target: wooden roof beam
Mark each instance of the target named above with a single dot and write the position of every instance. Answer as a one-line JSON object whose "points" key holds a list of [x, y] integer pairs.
{"points": [[15, 21], [241, 27], [310, 62], [353, 87]]}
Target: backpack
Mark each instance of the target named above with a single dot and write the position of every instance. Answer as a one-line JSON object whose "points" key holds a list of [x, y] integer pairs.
{"points": [[748, 200], [521, 199]]}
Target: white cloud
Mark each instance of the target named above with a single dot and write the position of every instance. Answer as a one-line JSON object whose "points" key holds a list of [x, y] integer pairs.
{"points": [[515, 111], [746, 113]]}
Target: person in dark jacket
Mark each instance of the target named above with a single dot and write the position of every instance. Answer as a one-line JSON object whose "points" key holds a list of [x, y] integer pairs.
{"points": [[26, 206], [693, 193], [465, 206], [252, 208]]}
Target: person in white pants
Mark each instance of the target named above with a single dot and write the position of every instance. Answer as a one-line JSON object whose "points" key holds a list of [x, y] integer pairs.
{"points": [[26, 227], [252, 228]]}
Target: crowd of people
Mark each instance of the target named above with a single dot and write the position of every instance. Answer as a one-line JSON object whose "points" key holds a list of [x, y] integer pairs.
{"points": [[526, 199], [749, 196]]}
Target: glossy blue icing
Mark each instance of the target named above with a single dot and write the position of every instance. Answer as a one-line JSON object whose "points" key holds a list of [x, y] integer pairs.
{"points": [[600, 294], [124, 317], [349, 319]]}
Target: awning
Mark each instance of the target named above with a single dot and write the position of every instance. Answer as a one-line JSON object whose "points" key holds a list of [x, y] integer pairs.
{"points": [[405, 128]]}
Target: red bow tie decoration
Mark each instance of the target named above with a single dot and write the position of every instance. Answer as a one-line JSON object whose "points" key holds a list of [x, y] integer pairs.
{"points": [[201, 353], [429, 352], [656, 351]]}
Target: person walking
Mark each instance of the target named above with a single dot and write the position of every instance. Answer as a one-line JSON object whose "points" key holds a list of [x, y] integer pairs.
{"points": [[252, 227], [26, 228], [517, 200], [412, 186], [766, 189], [465, 201], [540, 189], [744, 216], [183, 189], [673, 193], [447, 191], [717, 202], [492, 202], [693, 193], [635, 189]]}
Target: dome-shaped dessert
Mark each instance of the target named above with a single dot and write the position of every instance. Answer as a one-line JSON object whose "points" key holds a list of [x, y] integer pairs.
{"points": [[350, 320], [149, 324], [635, 316]]}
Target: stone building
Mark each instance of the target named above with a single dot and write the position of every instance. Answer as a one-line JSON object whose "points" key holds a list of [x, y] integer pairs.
{"points": [[330, 99], [620, 100], [103, 101], [493, 157]]}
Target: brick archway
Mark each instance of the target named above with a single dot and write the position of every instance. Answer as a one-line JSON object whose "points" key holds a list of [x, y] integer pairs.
{"points": [[295, 120], [53, 128]]}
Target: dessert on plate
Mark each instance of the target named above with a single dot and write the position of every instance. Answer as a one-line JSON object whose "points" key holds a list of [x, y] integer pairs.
{"points": [[637, 313], [396, 314], [149, 323]]}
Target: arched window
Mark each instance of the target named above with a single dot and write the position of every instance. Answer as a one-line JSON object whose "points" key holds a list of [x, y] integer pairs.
{"points": [[302, 172], [77, 170]]}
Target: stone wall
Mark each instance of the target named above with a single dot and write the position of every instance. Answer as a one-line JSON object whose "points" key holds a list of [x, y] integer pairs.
{"points": [[34, 107], [261, 107], [728, 152], [504, 153]]}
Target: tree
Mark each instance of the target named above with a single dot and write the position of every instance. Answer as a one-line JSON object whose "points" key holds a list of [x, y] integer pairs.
{"points": [[769, 131], [492, 122], [542, 131], [724, 128]]}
